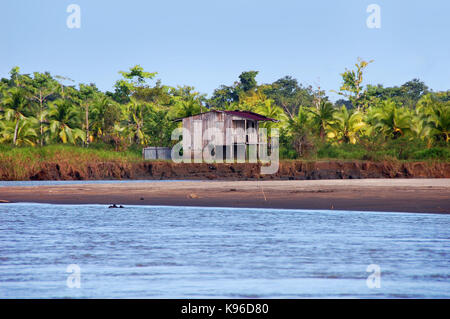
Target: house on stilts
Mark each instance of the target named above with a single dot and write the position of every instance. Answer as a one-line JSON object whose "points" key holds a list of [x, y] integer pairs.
{"points": [[235, 134]]}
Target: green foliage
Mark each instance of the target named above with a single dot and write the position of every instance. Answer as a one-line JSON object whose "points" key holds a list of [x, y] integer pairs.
{"points": [[18, 133], [159, 128], [433, 153], [248, 81], [406, 95], [289, 94], [346, 125], [23, 162], [65, 123], [407, 122], [104, 114], [392, 120], [131, 81], [322, 117], [352, 83]]}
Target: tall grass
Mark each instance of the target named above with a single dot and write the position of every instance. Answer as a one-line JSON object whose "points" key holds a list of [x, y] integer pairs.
{"points": [[391, 150], [21, 162]]}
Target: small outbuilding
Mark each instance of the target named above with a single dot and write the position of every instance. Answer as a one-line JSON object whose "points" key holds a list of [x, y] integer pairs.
{"points": [[156, 153]]}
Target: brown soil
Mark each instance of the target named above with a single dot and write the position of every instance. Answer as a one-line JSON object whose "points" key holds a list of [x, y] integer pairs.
{"points": [[391, 195], [288, 170]]}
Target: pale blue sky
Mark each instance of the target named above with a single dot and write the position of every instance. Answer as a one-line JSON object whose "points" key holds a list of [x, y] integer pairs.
{"points": [[206, 43]]}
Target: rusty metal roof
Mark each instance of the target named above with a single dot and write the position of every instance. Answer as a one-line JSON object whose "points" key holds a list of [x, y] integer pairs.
{"points": [[244, 114], [250, 115]]}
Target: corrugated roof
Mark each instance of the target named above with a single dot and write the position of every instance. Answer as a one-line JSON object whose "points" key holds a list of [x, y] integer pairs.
{"points": [[250, 115], [244, 114]]}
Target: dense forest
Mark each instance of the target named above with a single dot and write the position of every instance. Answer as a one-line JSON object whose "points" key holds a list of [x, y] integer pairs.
{"points": [[373, 122]]}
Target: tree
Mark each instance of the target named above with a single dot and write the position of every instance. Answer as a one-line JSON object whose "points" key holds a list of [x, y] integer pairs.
{"points": [[186, 108], [407, 94], [42, 87], [343, 102], [158, 127], [322, 117], [65, 122], [412, 91], [134, 78], [15, 101], [393, 121], [226, 95], [87, 94], [136, 113], [299, 127], [352, 87], [223, 97], [16, 77], [289, 95], [62, 87], [159, 94], [22, 134], [105, 113], [421, 128], [346, 125], [248, 80], [269, 109], [437, 114], [440, 117]]}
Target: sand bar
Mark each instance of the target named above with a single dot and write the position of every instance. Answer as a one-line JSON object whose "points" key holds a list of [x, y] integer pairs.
{"points": [[395, 195]]}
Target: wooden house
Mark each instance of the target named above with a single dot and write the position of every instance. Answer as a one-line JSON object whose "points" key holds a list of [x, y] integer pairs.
{"points": [[239, 130]]}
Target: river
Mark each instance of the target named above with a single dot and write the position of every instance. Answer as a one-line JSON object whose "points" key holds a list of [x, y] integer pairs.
{"points": [[190, 252]]}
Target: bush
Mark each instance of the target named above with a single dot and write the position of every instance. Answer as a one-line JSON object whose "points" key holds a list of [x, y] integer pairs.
{"points": [[391, 150], [433, 153]]}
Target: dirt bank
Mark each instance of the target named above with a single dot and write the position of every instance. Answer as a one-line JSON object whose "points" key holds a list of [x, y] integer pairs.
{"points": [[288, 170]]}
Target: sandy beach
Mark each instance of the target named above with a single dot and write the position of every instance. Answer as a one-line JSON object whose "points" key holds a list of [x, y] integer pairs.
{"points": [[391, 195]]}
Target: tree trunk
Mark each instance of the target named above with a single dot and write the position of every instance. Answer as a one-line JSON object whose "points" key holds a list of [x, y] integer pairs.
{"points": [[40, 121], [87, 124], [15, 132], [286, 110], [138, 140]]}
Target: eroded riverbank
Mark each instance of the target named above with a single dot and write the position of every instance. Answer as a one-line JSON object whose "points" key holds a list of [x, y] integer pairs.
{"points": [[288, 170]]}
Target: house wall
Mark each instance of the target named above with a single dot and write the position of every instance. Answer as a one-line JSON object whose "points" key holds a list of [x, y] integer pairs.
{"points": [[234, 125]]}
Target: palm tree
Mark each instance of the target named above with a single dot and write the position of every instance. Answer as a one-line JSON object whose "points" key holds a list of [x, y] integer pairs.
{"points": [[188, 108], [136, 113], [22, 134], [104, 114], [269, 109], [64, 122], [322, 116], [346, 125], [440, 117], [299, 128], [394, 121], [15, 102], [437, 113], [421, 128]]}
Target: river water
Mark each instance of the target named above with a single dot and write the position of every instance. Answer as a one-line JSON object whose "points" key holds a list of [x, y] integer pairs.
{"points": [[180, 252]]}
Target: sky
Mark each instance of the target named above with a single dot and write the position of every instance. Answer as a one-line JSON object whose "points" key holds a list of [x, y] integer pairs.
{"points": [[206, 43]]}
